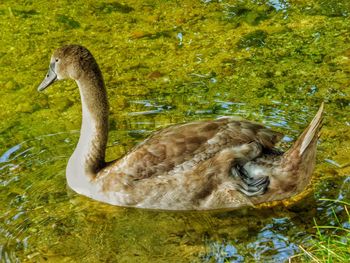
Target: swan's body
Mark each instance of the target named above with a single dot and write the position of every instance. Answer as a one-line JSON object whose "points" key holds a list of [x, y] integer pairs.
{"points": [[217, 164]]}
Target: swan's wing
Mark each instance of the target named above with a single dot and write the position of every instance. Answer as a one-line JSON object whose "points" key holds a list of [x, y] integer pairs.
{"points": [[190, 143]]}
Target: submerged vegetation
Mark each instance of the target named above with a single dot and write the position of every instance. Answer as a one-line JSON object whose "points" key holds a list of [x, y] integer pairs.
{"points": [[165, 62]]}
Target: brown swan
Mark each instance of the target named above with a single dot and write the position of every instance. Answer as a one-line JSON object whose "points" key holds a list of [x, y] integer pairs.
{"points": [[217, 164]]}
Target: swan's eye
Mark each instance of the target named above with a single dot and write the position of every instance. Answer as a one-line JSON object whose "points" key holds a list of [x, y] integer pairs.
{"points": [[56, 59]]}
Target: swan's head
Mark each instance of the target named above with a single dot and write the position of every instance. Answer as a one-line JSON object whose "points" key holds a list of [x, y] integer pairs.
{"points": [[68, 62]]}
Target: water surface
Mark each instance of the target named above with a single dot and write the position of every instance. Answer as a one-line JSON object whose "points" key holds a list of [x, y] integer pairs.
{"points": [[167, 62]]}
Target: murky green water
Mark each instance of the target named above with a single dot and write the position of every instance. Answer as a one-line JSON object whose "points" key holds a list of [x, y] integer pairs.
{"points": [[167, 62]]}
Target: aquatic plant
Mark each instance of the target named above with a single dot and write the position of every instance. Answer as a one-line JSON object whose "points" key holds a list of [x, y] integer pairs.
{"points": [[332, 242]]}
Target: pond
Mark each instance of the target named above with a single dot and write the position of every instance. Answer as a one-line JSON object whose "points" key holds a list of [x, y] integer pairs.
{"points": [[166, 62]]}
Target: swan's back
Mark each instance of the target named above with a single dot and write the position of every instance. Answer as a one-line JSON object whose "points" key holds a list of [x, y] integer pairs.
{"points": [[182, 147]]}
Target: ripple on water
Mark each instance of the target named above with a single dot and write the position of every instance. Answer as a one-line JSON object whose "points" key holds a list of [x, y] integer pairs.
{"points": [[153, 107], [26, 183]]}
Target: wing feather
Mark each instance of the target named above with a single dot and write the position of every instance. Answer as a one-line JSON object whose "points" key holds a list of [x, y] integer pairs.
{"points": [[194, 142]]}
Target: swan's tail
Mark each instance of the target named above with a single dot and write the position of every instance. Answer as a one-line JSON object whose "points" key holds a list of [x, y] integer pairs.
{"points": [[300, 159], [308, 139]]}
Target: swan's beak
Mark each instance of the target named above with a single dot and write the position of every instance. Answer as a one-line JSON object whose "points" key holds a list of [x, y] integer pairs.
{"points": [[50, 78]]}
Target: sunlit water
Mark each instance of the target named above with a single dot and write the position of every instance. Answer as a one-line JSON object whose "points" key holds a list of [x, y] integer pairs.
{"points": [[168, 62]]}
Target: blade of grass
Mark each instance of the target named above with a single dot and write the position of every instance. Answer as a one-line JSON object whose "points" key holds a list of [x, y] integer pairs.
{"points": [[334, 227], [309, 254], [330, 246], [335, 201]]}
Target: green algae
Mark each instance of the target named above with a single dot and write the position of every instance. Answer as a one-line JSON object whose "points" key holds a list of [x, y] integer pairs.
{"points": [[69, 22], [114, 7], [166, 62], [244, 13], [252, 39]]}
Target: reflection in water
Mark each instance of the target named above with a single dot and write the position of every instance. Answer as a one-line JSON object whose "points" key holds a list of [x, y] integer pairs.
{"points": [[6, 156], [221, 252], [273, 243], [279, 4], [270, 244]]}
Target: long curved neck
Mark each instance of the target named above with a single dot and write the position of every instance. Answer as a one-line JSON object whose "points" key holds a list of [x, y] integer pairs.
{"points": [[89, 155]]}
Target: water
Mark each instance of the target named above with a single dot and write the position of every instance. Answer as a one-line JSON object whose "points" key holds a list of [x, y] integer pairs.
{"points": [[167, 62]]}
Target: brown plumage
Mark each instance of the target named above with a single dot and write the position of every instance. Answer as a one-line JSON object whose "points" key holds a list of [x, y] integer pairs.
{"points": [[223, 163]]}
